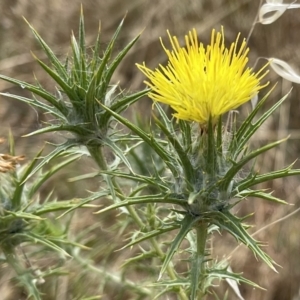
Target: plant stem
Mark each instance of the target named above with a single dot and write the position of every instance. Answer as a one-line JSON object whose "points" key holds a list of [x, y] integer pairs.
{"points": [[201, 231], [97, 154], [26, 278]]}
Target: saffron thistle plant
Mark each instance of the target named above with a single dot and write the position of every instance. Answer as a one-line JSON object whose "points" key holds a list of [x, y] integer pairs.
{"points": [[177, 181], [204, 157]]}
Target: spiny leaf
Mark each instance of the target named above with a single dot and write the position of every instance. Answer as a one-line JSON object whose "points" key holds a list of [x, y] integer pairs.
{"points": [[112, 67], [232, 224], [247, 129], [126, 101], [54, 60], [75, 129], [92, 92], [150, 234], [65, 205], [84, 202], [45, 176], [25, 277], [120, 106], [17, 196], [22, 215], [36, 238], [186, 225], [237, 166], [118, 152], [225, 274], [62, 83], [251, 181], [260, 194], [82, 34], [138, 178], [167, 158], [36, 103], [56, 152], [59, 105], [159, 198], [171, 135]]}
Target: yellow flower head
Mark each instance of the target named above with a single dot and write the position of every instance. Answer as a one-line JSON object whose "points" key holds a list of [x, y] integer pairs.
{"points": [[201, 83]]}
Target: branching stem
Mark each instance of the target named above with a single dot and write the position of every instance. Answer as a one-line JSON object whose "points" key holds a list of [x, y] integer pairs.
{"points": [[97, 155]]}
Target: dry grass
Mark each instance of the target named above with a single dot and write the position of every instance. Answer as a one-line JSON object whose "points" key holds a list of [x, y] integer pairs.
{"points": [[54, 20]]}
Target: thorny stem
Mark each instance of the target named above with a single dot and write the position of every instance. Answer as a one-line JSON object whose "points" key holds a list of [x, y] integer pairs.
{"points": [[97, 154], [201, 231]]}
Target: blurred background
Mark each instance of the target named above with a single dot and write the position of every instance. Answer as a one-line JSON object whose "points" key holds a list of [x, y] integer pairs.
{"points": [[55, 20]]}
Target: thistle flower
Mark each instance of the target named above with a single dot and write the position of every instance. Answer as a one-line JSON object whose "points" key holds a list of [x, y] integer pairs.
{"points": [[200, 83]]}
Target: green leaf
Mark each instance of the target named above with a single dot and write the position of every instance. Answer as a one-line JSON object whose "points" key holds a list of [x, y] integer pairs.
{"points": [[237, 166], [45, 176], [56, 152], [84, 202], [154, 181], [36, 238], [82, 35], [150, 234], [251, 181], [76, 60], [159, 198], [75, 100], [233, 225], [120, 106], [150, 140], [54, 60], [96, 58], [126, 101], [17, 196], [186, 225], [170, 133], [112, 67], [247, 129], [21, 215], [170, 286], [260, 194], [59, 105], [28, 281], [186, 134], [225, 274], [75, 129], [139, 258], [103, 76], [119, 152], [105, 81], [92, 95], [36, 103], [66, 205]]}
